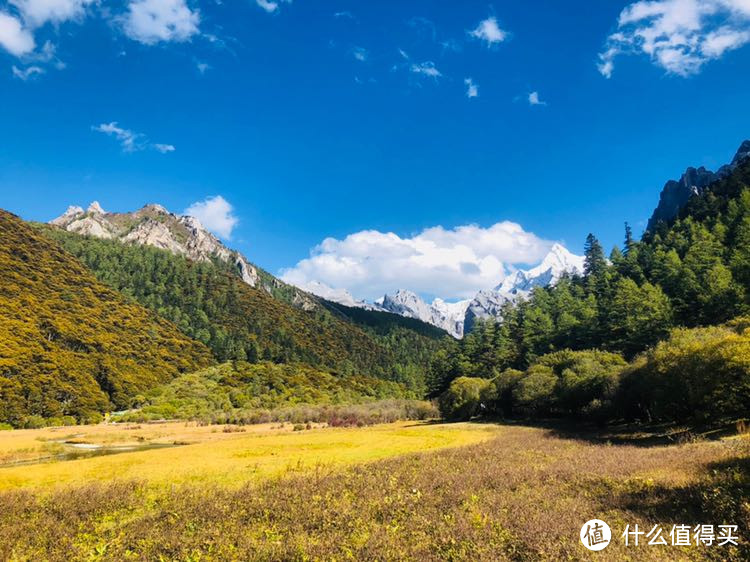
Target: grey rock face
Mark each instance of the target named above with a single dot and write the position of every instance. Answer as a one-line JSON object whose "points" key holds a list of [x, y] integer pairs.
{"points": [[676, 194], [153, 225]]}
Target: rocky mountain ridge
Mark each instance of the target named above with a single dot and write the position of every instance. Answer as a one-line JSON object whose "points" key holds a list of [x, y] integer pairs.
{"points": [[153, 225], [676, 193]]}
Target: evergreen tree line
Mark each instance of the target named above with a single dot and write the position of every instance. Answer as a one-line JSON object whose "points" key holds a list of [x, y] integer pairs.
{"points": [[671, 286]]}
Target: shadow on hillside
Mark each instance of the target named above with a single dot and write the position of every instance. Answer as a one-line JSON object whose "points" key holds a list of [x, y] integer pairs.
{"points": [[640, 435], [718, 498]]}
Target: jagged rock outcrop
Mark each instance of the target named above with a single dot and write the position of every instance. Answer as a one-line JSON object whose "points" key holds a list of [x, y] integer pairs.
{"points": [[694, 181], [448, 316], [153, 225]]}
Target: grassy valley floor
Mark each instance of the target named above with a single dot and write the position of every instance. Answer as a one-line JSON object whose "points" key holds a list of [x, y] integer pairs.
{"points": [[178, 452], [509, 493]]}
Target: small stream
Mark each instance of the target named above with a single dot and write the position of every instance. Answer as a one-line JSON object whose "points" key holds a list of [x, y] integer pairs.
{"points": [[74, 451]]}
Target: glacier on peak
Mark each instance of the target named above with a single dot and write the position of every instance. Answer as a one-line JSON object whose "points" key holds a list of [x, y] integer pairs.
{"points": [[457, 318]]}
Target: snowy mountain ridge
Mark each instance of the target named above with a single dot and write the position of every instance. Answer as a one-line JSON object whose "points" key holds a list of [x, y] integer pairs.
{"points": [[458, 318]]}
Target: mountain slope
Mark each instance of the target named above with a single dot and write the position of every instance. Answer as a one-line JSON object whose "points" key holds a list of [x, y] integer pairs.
{"points": [[182, 235], [239, 322], [68, 344]]}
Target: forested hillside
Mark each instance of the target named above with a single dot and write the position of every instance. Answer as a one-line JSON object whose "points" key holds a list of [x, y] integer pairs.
{"points": [[242, 392], [208, 302], [686, 275], [69, 345]]}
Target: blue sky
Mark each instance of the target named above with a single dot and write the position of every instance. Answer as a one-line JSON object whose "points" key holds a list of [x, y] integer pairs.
{"points": [[326, 119]]}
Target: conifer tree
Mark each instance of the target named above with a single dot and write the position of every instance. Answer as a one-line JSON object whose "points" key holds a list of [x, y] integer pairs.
{"points": [[595, 262]]}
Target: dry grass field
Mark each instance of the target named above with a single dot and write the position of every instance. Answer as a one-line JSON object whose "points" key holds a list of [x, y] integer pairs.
{"points": [[516, 493], [227, 455]]}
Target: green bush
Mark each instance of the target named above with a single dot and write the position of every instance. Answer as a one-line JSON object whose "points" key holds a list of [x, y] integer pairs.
{"points": [[34, 422], [698, 375], [534, 393], [584, 377], [502, 389], [464, 396]]}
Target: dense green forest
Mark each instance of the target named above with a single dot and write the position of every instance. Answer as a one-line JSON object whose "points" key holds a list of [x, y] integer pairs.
{"points": [[670, 287], [241, 392], [69, 345], [206, 301]]}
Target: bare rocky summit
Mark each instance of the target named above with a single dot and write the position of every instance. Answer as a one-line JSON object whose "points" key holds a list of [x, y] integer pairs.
{"points": [[153, 225]]}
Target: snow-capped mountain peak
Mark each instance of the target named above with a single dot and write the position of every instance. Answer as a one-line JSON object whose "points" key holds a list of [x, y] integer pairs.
{"points": [[456, 318], [459, 317], [445, 315], [558, 261]]}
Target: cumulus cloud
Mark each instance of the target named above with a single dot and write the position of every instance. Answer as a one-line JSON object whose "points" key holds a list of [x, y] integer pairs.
{"points": [[26, 73], [36, 13], [216, 214], [451, 263], [472, 90], [534, 99], [679, 36], [271, 6], [427, 68], [14, 38], [153, 21], [489, 31], [131, 141], [17, 31]]}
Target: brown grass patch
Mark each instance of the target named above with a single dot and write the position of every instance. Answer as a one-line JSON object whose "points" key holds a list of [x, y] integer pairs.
{"points": [[521, 496]]}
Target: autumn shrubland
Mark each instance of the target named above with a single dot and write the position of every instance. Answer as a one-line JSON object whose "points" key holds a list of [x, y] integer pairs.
{"points": [[522, 494]]}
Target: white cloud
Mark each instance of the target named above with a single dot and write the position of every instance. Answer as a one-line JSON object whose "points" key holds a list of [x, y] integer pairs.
{"points": [[360, 53], [152, 21], [534, 99], [202, 67], [128, 139], [489, 31], [271, 6], [16, 33], [453, 263], [426, 69], [216, 214], [131, 141], [472, 90], [26, 73], [13, 37], [36, 13], [679, 36]]}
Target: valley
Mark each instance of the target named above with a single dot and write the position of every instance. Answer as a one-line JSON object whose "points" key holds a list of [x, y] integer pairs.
{"points": [[186, 453], [161, 397], [399, 491]]}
